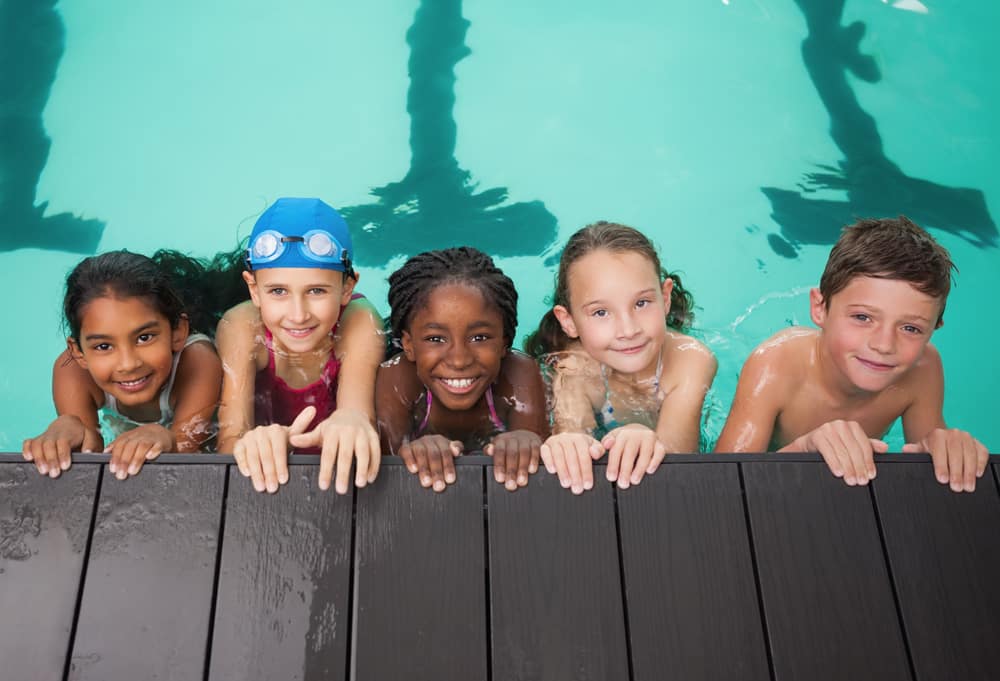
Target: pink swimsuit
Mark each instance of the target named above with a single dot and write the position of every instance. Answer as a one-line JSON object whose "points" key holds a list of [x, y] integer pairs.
{"points": [[277, 402]]}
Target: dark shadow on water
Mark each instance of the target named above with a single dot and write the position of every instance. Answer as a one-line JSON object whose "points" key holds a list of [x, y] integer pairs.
{"points": [[437, 204], [31, 44], [875, 186]]}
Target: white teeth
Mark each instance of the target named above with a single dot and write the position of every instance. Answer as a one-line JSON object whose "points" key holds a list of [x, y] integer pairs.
{"points": [[132, 384], [458, 382]]}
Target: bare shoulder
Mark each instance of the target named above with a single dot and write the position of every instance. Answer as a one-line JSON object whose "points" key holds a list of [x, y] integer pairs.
{"points": [[518, 368], [240, 334], [790, 349], [688, 356], [398, 375]]}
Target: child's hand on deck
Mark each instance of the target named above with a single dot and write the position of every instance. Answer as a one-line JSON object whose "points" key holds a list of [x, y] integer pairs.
{"points": [[515, 457], [571, 455], [135, 447], [432, 458], [846, 448], [633, 451], [345, 435], [262, 453], [958, 457], [52, 449]]}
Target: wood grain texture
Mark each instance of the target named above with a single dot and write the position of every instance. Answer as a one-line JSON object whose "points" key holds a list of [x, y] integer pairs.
{"points": [[282, 605], [44, 525], [944, 551], [828, 603], [419, 581], [555, 582], [145, 608], [689, 576]]}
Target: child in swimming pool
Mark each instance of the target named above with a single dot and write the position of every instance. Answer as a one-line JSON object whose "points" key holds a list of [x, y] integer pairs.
{"points": [[130, 356], [837, 389], [300, 357], [457, 385], [625, 380]]}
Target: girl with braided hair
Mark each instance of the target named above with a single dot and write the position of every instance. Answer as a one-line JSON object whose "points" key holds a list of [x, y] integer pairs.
{"points": [[457, 385]]}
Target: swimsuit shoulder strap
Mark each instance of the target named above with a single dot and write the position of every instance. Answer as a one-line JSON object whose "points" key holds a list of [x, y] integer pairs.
{"points": [[493, 411]]}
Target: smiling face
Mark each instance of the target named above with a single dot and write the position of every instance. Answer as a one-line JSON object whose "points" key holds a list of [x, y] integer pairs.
{"points": [[299, 305], [617, 310], [874, 330], [128, 348], [456, 341]]}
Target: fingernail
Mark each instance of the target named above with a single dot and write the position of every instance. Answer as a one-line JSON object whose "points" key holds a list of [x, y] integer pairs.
{"points": [[942, 478], [111, 466], [850, 480], [258, 486], [588, 484], [564, 483], [283, 478], [425, 481], [133, 470], [43, 469], [577, 489], [342, 489], [450, 477], [439, 485], [623, 483], [65, 465], [272, 487]]}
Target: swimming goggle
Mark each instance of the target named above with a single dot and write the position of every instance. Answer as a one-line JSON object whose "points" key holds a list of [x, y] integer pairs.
{"points": [[317, 247]]}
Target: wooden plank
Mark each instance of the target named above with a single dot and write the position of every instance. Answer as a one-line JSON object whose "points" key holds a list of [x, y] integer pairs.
{"points": [[555, 582], [689, 576], [146, 603], [828, 602], [44, 525], [944, 552], [419, 580], [282, 601]]}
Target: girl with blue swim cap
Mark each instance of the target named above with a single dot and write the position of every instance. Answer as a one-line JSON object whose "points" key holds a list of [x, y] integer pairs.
{"points": [[300, 357]]}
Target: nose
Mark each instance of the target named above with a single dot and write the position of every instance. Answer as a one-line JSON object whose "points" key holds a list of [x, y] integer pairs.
{"points": [[883, 339], [299, 310], [128, 360], [627, 326], [459, 356]]}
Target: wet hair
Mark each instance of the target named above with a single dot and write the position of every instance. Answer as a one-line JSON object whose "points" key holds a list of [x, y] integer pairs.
{"points": [[172, 283], [888, 248], [411, 285], [609, 236]]}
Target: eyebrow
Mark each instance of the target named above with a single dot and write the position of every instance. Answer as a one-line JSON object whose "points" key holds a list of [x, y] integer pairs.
{"points": [[635, 296], [479, 323], [103, 336], [868, 308]]}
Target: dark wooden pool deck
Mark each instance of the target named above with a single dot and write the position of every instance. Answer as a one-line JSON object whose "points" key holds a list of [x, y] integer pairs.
{"points": [[716, 567]]}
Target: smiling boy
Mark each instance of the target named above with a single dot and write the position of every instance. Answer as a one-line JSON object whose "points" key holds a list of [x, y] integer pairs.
{"points": [[838, 389]]}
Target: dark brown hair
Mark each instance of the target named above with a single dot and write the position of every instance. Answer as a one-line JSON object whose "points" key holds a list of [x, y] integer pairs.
{"points": [[888, 248], [616, 238]]}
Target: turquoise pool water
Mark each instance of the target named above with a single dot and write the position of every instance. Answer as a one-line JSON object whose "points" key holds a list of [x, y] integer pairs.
{"points": [[506, 126]]}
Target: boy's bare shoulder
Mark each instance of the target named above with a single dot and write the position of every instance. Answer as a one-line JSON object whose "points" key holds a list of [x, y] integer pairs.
{"points": [[782, 362]]}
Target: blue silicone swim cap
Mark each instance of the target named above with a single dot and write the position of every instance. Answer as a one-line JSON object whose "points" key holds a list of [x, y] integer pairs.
{"points": [[300, 233]]}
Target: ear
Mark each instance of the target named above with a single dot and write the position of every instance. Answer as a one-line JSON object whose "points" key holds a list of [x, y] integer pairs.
{"points": [[817, 307], [252, 287], [348, 290], [179, 335], [407, 345], [667, 288], [565, 321], [74, 350]]}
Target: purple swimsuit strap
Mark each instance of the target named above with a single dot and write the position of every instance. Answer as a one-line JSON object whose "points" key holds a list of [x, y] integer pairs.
{"points": [[489, 405]]}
